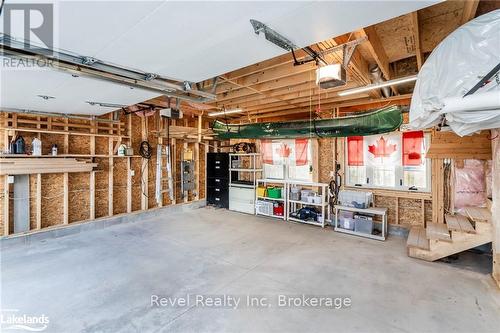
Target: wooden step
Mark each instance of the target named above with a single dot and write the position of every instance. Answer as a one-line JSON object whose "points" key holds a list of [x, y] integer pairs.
{"points": [[417, 238], [437, 231], [441, 249], [478, 214], [459, 223]]}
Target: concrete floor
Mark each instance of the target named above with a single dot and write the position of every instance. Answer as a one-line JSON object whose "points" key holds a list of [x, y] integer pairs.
{"points": [[102, 280]]}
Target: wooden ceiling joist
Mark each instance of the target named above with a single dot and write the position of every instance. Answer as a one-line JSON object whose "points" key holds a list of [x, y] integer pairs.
{"points": [[378, 53], [280, 83], [312, 103], [265, 94], [418, 43], [470, 8], [310, 91], [369, 103], [276, 87]]}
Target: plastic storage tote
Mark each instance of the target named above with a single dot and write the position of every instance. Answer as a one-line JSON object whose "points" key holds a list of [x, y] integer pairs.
{"points": [[295, 193], [274, 192], [357, 199], [364, 226], [347, 223]]}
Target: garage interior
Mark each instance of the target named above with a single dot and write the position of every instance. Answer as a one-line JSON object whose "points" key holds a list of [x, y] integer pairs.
{"points": [[264, 150]]}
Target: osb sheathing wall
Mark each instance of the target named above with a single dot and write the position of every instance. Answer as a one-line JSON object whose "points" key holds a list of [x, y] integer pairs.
{"points": [[408, 209], [404, 209], [79, 189]]}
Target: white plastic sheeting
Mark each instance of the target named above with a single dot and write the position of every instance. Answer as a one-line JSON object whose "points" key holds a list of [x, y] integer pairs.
{"points": [[456, 65]]}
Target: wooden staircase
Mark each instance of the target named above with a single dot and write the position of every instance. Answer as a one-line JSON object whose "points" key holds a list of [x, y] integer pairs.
{"points": [[460, 233]]}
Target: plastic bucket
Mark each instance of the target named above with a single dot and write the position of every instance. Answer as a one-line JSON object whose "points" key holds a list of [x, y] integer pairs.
{"points": [[274, 192], [261, 191]]}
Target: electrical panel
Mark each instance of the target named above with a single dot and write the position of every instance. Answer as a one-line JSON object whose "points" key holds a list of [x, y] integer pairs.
{"points": [[187, 167]]}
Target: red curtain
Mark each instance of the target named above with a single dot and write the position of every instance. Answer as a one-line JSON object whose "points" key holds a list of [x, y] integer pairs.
{"points": [[301, 151], [355, 151], [412, 148], [267, 151]]}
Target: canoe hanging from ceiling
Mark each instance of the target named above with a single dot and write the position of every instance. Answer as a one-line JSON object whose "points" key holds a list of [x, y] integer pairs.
{"points": [[380, 121]]}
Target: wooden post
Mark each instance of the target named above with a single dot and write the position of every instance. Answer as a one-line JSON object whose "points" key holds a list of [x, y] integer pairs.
{"points": [[199, 128], [129, 166], [184, 193], [422, 202], [65, 199], [495, 211], [144, 170], [38, 201], [6, 140], [315, 152], [66, 137], [38, 126], [160, 142], [205, 175], [92, 138], [129, 186], [173, 158], [397, 210], [197, 170], [6, 210], [110, 169], [110, 177], [437, 190], [93, 130], [92, 195]]}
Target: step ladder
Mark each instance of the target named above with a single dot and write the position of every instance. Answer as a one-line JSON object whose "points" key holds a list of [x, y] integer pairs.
{"points": [[161, 153]]}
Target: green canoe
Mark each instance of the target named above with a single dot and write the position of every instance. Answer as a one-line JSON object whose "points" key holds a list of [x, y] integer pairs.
{"points": [[380, 121]]}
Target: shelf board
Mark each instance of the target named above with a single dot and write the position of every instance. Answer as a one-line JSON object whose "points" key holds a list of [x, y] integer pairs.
{"points": [[306, 183], [357, 233], [307, 203], [242, 185], [371, 210], [271, 215], [268, 198], [290, 218], [272, 181], [245, 170]]}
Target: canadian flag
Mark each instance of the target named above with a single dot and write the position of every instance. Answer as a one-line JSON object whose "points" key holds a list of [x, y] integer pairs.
{"points": [[279, 151], [392, 148], [383, 149]]}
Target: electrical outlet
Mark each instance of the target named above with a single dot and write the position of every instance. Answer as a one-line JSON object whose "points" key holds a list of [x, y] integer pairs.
{"points": [[132, 173]]}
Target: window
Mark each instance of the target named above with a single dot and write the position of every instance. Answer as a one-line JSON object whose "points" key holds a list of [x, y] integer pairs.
{"points": [[287, 159], [393, 161]]}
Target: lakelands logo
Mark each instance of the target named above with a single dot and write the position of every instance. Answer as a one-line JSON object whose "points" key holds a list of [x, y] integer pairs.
{"points": [[13, 320]]}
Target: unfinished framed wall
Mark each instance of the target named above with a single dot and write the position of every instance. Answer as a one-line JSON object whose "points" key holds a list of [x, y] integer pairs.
{"points": [[117, 185], [407, 209]]}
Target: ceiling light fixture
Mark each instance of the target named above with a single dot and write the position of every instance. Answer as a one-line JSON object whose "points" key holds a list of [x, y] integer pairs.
{"points": [[377, 85], [220, 113]]}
